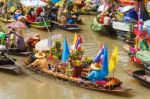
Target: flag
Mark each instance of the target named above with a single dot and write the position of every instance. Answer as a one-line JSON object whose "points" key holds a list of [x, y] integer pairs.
{"points": [[113, 60], [140, 21], [104, 70], [78, 42], [98, 58], [148, 30], [65, 53], [75, 39]]}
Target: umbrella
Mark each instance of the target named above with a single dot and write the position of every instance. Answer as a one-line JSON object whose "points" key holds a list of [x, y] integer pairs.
{"points": [[43, 45], [33, 3], [17, 24]]}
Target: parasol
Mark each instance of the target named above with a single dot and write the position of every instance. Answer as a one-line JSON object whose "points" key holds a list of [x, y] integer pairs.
{"points": [[17, 24], [46, 44], [32, 3], [43, 45]]}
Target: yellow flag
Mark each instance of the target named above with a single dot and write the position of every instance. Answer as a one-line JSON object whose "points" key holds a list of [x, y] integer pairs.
{"points": [[75, 39], [113, 60]]}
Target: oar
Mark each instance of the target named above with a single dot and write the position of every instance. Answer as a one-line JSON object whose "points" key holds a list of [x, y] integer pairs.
{"points": [[23, 68]]}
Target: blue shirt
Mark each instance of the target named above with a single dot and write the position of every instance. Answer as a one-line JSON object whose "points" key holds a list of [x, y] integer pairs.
{"points": [[95, 75]]}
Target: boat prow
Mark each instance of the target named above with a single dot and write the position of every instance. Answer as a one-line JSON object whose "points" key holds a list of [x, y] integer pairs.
{"points": [[140, 76], [10, 66]]}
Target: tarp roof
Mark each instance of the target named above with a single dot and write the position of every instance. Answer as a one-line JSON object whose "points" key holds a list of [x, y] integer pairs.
{"points": [[32, 3]]}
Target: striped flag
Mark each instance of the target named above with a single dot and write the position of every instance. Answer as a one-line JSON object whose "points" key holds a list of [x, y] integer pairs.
{"points": [[99, 57]]}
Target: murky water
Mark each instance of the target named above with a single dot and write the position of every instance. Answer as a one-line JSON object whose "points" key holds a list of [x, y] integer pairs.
{"points": [[25, 87]]}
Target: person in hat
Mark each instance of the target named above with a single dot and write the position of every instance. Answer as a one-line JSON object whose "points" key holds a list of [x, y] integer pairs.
{"points": [[95, 74], [40, 61], [32, 41], [19, 41]]}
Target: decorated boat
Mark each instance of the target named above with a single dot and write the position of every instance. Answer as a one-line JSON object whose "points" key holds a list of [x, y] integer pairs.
{"points": [[75, 70], [141, 76]]}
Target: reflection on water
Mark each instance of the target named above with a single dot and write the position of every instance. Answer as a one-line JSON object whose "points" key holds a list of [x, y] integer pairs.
{"points": [[25, 87]]}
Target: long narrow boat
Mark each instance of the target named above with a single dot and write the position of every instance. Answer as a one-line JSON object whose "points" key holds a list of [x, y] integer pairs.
{"points": [[116, 88], [140, 76], [38, 25], [6, 64], [68, 27], [7, 20], [14, 51]]}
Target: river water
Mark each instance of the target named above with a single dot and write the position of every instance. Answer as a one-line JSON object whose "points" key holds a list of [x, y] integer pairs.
{"points": [[25, 87]]}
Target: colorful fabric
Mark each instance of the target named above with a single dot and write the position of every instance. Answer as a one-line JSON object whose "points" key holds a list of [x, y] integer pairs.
{"points": [[113, 60], [105, 62], [144, 45], [99, 57], [96, 26], [78, 42], [96, 75], [144, 56], [65, 53]]}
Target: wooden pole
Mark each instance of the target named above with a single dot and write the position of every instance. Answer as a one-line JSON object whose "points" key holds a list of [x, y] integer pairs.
{"points": [[24, 69]]}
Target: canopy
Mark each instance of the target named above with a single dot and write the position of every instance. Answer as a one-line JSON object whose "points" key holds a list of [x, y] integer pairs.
{"points": [[32, 3], [146, 23]]}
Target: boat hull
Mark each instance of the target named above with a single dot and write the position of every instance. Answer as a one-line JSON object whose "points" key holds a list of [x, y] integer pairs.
{"points": [[137, 75], [9, 66], [77, 82]]}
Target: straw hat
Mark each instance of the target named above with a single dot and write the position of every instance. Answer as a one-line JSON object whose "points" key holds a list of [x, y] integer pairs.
{"points": [[74, 16], [95, 66], [36, 36], [40, 55]]}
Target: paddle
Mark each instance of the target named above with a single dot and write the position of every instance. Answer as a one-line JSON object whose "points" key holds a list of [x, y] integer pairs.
{"points": [[24, 69]]}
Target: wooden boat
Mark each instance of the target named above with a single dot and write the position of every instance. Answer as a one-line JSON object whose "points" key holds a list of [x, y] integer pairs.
{"points": [[6, 64], [116, 88], [147, 68], [140, 76], [14, 51], [68, 27], [39, 27], [7, 20], [35, 23]]}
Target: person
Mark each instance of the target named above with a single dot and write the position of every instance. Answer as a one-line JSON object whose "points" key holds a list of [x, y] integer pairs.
{"points": [[15, 39], [18, 14], [95, 74], [32, 41], [20, 43], [31, 15], [40, 61], [39, 10]]}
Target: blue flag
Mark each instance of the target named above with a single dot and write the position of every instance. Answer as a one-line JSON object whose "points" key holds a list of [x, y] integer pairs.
{"points": [[104, 70], [148, 30], [55, 1], [65, 53]]}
